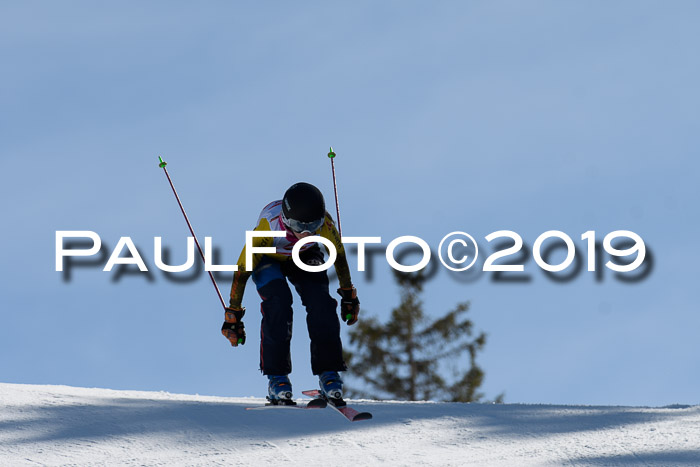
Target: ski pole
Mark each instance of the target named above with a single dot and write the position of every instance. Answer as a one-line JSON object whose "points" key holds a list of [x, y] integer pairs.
{"points": [[331, 155], [162, 164]]}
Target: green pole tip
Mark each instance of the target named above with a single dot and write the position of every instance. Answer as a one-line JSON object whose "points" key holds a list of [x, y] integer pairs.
{"points": [[162, 162], [331, 154], [348, 317]]}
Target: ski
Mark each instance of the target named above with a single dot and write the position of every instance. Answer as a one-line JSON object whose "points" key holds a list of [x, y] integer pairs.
{"points": [[343, 409], [312, 404]]}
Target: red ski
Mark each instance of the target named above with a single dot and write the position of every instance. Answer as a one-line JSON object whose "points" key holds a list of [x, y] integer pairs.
{"points": [[348, 412]]}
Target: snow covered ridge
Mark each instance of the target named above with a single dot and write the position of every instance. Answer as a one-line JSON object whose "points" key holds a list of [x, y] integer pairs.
{"points": [[59, 425]]}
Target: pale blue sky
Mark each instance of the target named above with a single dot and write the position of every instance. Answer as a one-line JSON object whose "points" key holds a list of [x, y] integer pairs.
{"points": [[474, 116]]}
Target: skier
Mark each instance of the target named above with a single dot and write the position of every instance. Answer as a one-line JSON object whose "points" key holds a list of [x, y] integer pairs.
{"points": [[299, 214]]}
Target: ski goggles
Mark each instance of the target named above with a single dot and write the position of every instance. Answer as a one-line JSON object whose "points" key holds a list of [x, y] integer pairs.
{"points": [[301, 227]]}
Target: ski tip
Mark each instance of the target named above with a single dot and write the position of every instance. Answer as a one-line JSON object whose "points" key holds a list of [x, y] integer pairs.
{"points": [[317, 404], [362, 416]]}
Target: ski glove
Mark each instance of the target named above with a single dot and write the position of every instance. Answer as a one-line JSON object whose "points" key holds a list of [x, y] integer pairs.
{"points": [[233, 328], [349, 305]]}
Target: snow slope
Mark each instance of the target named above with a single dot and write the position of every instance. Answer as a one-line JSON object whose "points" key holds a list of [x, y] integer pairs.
{"points": [[58, 425]]}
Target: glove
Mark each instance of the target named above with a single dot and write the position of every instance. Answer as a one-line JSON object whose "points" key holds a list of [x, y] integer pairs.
{"points": [[233, 328], [349, 305]]}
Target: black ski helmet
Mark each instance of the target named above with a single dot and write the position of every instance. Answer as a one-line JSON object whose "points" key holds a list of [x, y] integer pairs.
{"points": [[303, 207]]}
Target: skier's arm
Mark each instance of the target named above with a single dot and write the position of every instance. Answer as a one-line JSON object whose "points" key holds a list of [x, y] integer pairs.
{"points": [[241, 276], [341, 262], [349, 304], [233, 328]]}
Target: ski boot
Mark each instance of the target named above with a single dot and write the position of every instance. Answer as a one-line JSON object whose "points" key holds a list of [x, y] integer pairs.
{"points": [[332, 387], [279, 390]]}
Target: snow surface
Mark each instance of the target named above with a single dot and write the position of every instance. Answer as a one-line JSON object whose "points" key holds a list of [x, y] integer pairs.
{"points": [[59, 425]]}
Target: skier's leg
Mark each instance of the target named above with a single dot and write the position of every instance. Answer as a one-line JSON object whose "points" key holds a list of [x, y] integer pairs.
{"points": [[276, 324], [321, 316]]}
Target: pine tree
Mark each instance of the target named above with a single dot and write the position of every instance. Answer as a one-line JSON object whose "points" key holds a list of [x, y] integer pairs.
{"points": [[407, 358]]}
